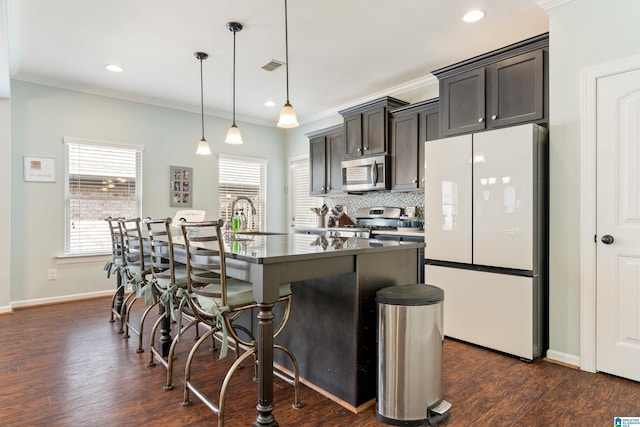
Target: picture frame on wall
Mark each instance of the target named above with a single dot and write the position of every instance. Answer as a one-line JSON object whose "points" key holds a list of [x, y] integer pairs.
{"points": [[39, 169], [181, 186]]}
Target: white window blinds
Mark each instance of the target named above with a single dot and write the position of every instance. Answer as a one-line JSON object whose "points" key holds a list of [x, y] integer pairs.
{"points": [[301, 201], [243, 177], [101, 180]]}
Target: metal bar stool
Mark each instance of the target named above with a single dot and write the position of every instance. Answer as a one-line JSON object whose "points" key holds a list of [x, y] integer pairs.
{"points": [[137, 266], [114, 266], [218, 300], [169, 281]]}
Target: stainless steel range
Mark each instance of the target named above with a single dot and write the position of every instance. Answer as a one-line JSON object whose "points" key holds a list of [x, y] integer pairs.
{"points": [[367, 221], [372, 223]]}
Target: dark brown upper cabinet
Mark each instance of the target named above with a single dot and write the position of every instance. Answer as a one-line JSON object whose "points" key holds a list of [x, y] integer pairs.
{"points": [[504, 87], [366, 127], [326, 151], [411, 126]]}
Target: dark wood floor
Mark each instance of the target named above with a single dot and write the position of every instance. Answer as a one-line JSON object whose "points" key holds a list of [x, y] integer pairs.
{"points": [[65, 365]]}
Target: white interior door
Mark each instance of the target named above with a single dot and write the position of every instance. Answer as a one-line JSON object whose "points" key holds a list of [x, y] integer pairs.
{"points": [[618, 225]]}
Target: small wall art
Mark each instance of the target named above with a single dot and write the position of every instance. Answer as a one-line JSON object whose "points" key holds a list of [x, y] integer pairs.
{"points": [[181, 189], [39, 169]]}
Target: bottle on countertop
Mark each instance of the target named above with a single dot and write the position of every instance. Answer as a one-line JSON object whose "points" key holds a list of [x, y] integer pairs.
{"points": [[236, 221], [243, 220]]}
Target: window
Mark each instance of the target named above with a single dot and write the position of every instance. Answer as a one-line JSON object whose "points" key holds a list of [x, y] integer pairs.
{"points": [[301, 201], [102, 180], [243, 177]]}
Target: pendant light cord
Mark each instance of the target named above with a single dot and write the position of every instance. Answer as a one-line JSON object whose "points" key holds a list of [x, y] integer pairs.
{"points": [[201, 98], [286, 45], [234, 78]]}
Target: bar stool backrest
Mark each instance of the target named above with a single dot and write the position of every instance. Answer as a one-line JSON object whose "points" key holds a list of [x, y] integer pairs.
{"points": [[161, 250], [116, 240], [206, 266], [133, 244]]}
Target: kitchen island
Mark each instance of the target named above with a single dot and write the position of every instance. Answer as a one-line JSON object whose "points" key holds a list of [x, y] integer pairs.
{"points": [[333, 319]]}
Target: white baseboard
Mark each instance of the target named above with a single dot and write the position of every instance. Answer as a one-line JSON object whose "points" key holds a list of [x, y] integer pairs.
{"points": [[6, 309], [53, 300], [568, 359]]}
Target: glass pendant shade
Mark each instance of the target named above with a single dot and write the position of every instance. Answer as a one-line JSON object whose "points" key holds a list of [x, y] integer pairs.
{"points": [[288, 117], [203, 148], [233, 135]]}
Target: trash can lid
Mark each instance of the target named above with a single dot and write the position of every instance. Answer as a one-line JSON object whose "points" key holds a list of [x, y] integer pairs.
{"points": [[417, 294]]}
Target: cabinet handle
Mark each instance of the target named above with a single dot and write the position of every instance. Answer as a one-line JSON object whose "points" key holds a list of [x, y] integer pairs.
{"points": [[366, 148], [480, 120], [415, 180], [494, 117], [358, 149]]}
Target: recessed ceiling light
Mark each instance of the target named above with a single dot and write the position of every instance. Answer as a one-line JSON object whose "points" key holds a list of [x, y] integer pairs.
{"points": [[270, 104], [114, 67], [473, 16]]}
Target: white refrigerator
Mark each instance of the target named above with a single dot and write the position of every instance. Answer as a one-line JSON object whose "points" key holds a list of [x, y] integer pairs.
{"points": [[486, 236]]}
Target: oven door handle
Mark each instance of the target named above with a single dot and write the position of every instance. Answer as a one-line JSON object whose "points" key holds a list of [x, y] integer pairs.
{"points": [[374, 172]]}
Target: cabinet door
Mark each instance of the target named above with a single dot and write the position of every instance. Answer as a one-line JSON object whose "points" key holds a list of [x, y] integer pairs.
{"points": [[516, 90], [335, 153], [317, 159], [353, 135], [428, 130], [404, 148], [463, 103], [374, 136]]}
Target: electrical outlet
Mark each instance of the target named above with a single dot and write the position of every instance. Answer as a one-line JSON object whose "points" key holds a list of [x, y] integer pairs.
{"points": [[52, 273]]}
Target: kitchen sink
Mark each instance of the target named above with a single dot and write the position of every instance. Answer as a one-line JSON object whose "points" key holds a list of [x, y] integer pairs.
{"points": [[244, 236], [258, 233]]}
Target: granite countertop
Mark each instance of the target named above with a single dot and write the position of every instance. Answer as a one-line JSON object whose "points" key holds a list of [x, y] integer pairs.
{"points": [[265, 249], [401, 232]]}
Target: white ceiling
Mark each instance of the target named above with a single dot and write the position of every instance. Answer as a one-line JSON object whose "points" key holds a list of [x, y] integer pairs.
{"points": [[340, 51]]}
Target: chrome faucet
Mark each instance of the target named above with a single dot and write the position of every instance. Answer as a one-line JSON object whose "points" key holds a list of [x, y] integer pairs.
{"points": [[253, 208]]}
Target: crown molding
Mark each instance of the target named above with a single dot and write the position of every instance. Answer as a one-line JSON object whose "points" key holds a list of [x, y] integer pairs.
{"points": [[397, 90]]}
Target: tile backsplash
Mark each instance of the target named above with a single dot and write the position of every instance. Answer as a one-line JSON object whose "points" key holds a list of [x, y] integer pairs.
{"points": [[353, 202]]}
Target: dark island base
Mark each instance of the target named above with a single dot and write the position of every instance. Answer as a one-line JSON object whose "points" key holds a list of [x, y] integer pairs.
{"points": [[332, 328]]}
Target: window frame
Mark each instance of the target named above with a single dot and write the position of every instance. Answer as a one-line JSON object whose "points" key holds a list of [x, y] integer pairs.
{"points": [[226, 199], [69, 250]]}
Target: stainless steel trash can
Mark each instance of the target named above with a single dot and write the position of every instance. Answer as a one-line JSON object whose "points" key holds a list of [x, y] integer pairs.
{"points": [[410, 337]]}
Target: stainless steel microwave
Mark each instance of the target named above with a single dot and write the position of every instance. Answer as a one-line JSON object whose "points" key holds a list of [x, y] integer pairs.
{"points": [[366, 174]]}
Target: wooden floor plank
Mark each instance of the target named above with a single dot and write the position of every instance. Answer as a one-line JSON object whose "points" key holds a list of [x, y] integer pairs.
{"points": [[64, 365]]}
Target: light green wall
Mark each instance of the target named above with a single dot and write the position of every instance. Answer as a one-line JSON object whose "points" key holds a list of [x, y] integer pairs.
{"points": [[41, 116], [5, 208], [583, 33]]}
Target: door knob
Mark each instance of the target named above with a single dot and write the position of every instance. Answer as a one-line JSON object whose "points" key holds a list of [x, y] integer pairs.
{"points": [[607, 239]]}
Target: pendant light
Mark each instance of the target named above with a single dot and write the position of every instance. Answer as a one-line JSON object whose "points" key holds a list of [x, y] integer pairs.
{"points": [[288, 117], [203, 146], [233, 135]]}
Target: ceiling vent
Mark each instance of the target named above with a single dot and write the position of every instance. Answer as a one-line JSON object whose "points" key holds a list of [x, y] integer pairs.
{"points": [[272, 65]]}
